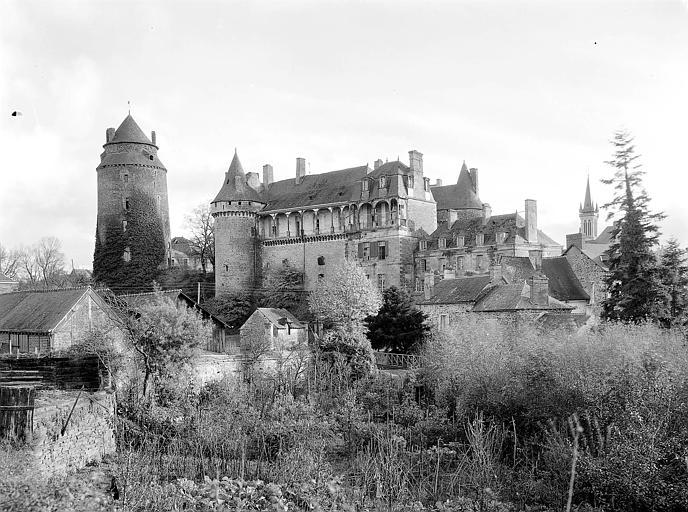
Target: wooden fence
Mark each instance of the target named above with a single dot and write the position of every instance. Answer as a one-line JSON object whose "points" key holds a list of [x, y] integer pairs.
{"points": [[52, 372], [16, 411]]}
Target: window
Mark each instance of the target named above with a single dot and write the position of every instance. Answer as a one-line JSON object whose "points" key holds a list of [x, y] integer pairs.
{"points": [[382, 250], [126, 203], [368, 277], [443, 264], [185, 262], [226, 268], [366, 251], [127, 254], [420, 284], [442, 243], [479, 239], [410, 182], [157, 200], [443, 322], [424, 265], [501, 236], [124, 225], [125, 178], [381, 281], [321, 276], [459, 263], [317, 225], [426, 184], [321, 260], [460, 240], [364, 185], [423, 245], [23, 343], [479, 261], [383, 182]]}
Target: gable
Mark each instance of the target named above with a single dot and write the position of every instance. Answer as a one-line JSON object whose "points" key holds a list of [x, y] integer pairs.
{"points": [[37, 311]]}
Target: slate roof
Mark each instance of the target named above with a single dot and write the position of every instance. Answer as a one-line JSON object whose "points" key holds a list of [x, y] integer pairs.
{"points": [[515, 297], [37, 311], [461, 196], [605, 237], [563, 283], [512, 224], [453, 291], [129, 131], [517, 268], [330, 187], [234, 187], [280, 317], [5, 279]]}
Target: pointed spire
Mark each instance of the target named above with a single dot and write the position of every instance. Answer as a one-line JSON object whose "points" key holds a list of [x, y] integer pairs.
{"points": [[235, 168], [465, 191], [587, 204], [235, 187]]}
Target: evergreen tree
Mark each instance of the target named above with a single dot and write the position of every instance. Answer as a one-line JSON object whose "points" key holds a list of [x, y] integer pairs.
{"points": [[674, 276], [399, 326], [130, 260], [633, 282]]}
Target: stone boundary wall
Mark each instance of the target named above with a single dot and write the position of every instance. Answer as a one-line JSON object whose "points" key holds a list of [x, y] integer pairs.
{"points": [[88, 437]]}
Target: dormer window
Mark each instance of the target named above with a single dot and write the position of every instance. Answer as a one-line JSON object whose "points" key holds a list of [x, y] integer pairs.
{"points": [[426, 184], [460, 240], [383, 182], [423, 245], [410, 182], [501, 237], [442, 243], [364, 185], [479, 239]]}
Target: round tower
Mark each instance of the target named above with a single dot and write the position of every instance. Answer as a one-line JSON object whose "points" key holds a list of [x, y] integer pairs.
{"points": [[588, 215], [235, 210], [131, 179]]}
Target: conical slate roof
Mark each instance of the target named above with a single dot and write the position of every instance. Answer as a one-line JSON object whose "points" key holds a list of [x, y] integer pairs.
{"points": [[235, 187], [129, 131], [461, 196]]}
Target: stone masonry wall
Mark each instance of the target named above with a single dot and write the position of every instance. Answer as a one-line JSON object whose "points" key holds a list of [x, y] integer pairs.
{"points": [[88, 437], [86, 314], [423, 214], [236, 258]]}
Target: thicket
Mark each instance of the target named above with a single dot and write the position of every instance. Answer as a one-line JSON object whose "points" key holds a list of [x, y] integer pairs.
{"points": [[489, 425]]}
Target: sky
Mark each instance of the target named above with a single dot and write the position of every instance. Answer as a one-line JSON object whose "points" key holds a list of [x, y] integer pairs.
{"points": [[530, 93]]}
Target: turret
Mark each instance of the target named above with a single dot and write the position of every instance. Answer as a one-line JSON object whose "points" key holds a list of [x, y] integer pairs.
{"points": [[235, 210]]}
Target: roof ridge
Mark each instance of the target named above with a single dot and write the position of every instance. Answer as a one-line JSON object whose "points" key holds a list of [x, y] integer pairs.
{"points": [[50, 290]]}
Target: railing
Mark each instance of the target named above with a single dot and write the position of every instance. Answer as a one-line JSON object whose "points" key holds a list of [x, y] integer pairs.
{"points": [[390, 360]]}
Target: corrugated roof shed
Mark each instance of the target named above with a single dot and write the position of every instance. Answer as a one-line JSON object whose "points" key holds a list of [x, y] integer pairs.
{"points": [[37, 311]]}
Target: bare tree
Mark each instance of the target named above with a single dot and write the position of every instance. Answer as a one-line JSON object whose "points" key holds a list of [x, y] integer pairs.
{"points": [[29, 266], [49, 259], [10, 262], [200, 225]]}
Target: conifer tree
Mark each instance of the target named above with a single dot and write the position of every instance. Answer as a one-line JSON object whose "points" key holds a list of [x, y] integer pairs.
{"points": [[674, 276], [634, 287], [399, 326]]}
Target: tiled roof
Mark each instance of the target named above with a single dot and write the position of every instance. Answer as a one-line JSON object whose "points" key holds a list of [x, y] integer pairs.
{"points": [[517, 268], [563, 283], [514, 297], [452, 291], [461, 196], [129, 131], [234, 187], [37, 311], [136, 157], [605, 237], [280, 317], [330, 187]]}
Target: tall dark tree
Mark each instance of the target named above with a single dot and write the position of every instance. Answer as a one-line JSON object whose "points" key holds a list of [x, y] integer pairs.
{"points": [[130, 259], [674, 276], [633, 282], [399, 326]]}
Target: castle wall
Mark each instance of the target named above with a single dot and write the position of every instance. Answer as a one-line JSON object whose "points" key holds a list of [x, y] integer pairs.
{"points": [[236, 257]]}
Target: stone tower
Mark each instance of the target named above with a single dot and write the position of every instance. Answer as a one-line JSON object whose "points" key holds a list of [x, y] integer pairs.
{"points": [[588, 216], [129, 165], [235, 212]]}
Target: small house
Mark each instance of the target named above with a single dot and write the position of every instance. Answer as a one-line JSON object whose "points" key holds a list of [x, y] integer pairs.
{"points": [[272, 334], [7, 284]]}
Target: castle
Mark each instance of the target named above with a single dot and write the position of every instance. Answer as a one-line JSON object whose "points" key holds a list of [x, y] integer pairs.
{"points": [[389, 218]]}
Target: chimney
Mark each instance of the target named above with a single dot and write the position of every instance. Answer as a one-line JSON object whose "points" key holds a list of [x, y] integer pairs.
{"points": [[153, 138], [378, 163], [531, 221], [429, 285], [109, 134], [473, 172], [575, 239], [539, 293], [487, 212], [535, 256], [300, 169], [416, 161], [267, 175], [438, 183], [495, 273]]}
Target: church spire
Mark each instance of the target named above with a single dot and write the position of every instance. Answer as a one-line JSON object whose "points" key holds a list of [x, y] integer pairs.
{"points": [[587, 204]]}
